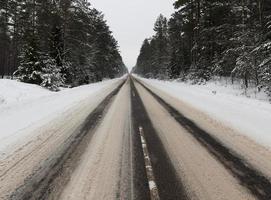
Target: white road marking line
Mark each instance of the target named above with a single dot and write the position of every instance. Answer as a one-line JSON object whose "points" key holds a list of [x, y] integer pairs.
{"points": [[151, 180]]}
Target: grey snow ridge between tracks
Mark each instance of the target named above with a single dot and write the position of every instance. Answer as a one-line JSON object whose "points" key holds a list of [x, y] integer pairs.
{"points": [[249, 177]]}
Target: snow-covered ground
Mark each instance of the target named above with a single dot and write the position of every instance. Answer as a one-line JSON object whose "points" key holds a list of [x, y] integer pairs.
{"points": [[13, 92], [225, 85], [24, 107], [250, 116]]}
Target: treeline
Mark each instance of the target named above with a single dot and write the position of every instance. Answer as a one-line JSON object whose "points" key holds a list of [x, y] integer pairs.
{"points": [[56, 42], [206, 38]]}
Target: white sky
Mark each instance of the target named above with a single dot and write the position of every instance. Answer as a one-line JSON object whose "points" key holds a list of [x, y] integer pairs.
{"points": [[131, 21]]}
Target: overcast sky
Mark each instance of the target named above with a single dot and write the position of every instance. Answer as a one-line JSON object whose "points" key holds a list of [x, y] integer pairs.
{"points": [[131, 21]]}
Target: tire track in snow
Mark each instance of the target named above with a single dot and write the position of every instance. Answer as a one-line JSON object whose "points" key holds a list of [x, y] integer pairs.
{"points": [[249, 177], [42, 184], [168, 182]]}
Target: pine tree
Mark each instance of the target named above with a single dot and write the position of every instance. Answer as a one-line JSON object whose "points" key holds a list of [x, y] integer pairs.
{"points": [[5, 40], [51, 75], [210, 38], [30, 69], [66, 36], [4, 44], [144, 59], [161, 54]]}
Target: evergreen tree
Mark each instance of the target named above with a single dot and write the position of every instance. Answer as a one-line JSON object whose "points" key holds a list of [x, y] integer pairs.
{"points": [[213, 38], [154, 55], [4, 44], [178, 49], [51, 74], [161, 54], [65, 37], [30, 69], [144, 59]]}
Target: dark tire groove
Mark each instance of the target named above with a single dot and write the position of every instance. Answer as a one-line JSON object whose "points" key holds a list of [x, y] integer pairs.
{"points": [[140, 181], [48, 185], [245, 173], [169, 183]]}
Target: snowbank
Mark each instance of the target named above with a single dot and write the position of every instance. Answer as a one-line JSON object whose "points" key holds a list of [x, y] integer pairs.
{"points": [[249, 116], [24, 107], [12, 92], [224, 85]]}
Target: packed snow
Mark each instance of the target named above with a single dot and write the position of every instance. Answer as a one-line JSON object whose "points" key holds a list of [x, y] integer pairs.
{"points": [[13, 92], [227, 104], [24, 107]]}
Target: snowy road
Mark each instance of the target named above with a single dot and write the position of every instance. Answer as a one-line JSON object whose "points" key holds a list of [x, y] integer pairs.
{"points": [[136, 142]]}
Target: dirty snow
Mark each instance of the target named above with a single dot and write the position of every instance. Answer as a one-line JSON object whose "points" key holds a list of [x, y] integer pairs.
{"points": [[25, 106], [227, 104]]}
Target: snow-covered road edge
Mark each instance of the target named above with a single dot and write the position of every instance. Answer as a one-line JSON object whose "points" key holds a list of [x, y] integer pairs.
{"points": [[249, 117], [21, 120]]}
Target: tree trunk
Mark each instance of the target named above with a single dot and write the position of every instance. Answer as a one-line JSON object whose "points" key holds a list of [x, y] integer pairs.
{"points": [[6, 51], [246, 79], [260, 10]]}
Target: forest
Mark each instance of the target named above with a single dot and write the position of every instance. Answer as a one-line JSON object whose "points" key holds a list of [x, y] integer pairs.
{"points": [[56, 43], [205, 39]]}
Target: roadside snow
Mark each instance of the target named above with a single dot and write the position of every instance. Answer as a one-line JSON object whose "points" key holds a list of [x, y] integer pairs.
{"points": [[12, 92], [23, 107], [225, 86], [251, 117]]}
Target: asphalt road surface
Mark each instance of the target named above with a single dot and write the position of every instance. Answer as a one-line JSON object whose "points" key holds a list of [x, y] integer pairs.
{"points": [[137, 143]]}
